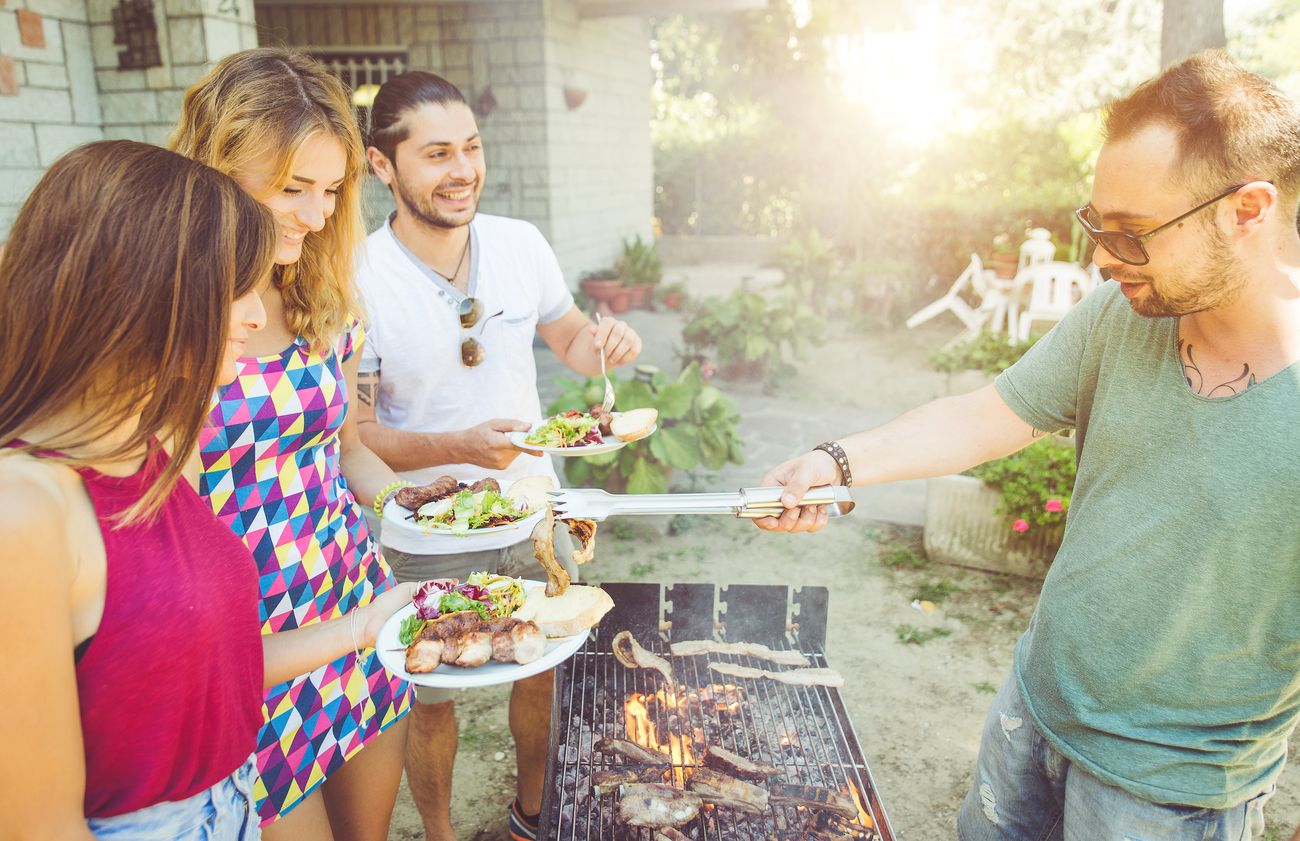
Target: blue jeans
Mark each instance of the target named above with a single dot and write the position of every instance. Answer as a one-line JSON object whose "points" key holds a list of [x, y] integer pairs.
{"points": [[224, 812], [1024, 790]]}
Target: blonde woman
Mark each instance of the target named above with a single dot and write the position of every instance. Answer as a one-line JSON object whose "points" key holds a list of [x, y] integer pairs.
{"points": [[282, 464]]}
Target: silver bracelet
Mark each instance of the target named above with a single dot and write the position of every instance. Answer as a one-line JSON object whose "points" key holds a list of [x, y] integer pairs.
{"points": [[352, 626], [835, 451]]}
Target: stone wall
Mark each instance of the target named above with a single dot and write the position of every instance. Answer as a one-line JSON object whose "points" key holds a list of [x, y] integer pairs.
{"points": [[54, 104], [583, 175]]}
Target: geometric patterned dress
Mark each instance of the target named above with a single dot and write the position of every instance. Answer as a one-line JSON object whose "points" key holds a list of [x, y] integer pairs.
{"points": [[270, 456]]}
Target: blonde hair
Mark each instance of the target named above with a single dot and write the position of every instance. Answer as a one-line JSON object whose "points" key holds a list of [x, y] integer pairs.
{"points": [[115, 297], [268, 100]]}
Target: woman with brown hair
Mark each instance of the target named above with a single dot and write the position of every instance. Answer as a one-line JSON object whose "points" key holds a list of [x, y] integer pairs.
{"points": [[134, 667], [282, 463]]}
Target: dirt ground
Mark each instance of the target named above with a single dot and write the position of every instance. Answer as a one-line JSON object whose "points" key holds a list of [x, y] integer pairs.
{"points": [[918, 707]]}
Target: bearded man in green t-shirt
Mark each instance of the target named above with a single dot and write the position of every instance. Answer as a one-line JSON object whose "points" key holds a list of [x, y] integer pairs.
{"points": [[1154, 691]]}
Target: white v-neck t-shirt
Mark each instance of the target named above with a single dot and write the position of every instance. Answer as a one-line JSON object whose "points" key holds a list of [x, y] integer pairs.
{"points": [[413, 336]]}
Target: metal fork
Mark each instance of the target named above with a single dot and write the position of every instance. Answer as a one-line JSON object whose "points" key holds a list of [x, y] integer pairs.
{"points": [[608, 404], [749, 503]]}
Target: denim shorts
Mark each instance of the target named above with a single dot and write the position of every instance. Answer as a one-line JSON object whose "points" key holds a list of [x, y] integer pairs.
{"points": [[224, 812], [1025, 790]]}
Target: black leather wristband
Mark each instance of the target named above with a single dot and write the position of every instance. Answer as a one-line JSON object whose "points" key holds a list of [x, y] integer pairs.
{"points": [[835, 451]]}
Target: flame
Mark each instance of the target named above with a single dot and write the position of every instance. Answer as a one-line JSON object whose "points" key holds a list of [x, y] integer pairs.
{"points": [[642, 730], [864, 817]]}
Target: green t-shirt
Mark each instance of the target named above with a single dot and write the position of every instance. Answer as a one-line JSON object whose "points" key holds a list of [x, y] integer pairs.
{"points": [[1164, 654]]}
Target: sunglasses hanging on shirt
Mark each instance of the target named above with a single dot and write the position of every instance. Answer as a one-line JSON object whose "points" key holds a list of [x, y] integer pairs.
{"points": [[470, 311]]}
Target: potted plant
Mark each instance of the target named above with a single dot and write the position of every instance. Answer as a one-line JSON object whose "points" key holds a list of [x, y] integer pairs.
{"points": [[697, 426], [672, 295], [601, 287], [1006, 256], [641, 269], [1007, 515]]}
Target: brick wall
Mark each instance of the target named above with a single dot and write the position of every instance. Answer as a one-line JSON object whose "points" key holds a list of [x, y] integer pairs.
{"points": [[56, 106]]}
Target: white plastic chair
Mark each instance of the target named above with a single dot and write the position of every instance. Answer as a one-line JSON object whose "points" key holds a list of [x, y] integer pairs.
{"points": [[1054, 288], [1039, 248], [972, 277]]}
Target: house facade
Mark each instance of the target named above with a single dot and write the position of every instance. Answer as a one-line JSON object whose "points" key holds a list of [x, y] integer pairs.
{"points": [[561, 89]]}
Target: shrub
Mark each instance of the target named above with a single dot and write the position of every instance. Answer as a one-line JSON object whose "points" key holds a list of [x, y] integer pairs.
{"points": [[640, 263], [1035, 486], [987, 352], [752, 334], [697, 426]]}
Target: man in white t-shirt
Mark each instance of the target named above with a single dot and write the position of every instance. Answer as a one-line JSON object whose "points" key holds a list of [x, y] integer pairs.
{"points": [[453, 302]]}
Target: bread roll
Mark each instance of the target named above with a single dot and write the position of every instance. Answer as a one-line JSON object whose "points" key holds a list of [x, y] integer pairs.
{"points": [[579, 608]]}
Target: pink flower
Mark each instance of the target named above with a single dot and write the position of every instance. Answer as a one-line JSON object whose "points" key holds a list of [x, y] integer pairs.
{"points": [[1020, 526], [1054, 505]]}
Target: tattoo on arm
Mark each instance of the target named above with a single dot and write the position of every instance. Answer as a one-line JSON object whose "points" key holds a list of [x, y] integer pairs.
{"points": [[367, 385], [1196, 380]]}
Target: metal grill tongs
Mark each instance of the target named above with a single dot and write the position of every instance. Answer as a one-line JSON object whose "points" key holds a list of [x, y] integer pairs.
{"points": [[749, 503]]}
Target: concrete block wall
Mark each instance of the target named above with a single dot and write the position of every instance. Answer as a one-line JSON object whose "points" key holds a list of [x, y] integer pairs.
{"points": [[599, 158], [145, 104], [57, 104], [583, 176]]}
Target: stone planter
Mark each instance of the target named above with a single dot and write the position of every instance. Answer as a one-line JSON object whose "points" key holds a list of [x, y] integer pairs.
{"points": [[963, 528]]}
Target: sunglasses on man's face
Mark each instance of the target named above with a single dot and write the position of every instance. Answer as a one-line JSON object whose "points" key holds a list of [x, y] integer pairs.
{"points": [[1130, 247], [471, 350]]}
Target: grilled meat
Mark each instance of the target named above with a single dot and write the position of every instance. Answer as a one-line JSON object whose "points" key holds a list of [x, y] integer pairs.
{"points": [[737, 765], [733, 670], [630, 653], [781, 657], [488, 484], [557, 579], [603, 418], [633, 751], [607, 780], [795, 677], [466, 639], [812, 797], [423, 656], [583, 531], [656, 805], [411, 498], [667, 833], [809, 677], [723, 790]]}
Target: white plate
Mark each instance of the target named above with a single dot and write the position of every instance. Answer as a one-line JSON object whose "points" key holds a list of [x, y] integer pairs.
{"points": [[397, 532], [393, 655], [518, 439]]}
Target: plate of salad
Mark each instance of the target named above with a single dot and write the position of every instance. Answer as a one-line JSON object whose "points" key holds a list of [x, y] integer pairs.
{"points": [[491, 596], [576, 434], [467, 520]]}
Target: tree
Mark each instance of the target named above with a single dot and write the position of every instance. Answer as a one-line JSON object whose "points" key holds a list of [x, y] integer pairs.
{"points": [[1189, 26]]}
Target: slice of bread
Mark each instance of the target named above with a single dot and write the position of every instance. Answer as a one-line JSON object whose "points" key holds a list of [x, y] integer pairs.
{"points": [[532, 491], [579, 608], [634, 424]]}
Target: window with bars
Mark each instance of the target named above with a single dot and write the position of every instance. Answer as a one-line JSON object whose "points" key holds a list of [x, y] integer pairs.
{"points": [[363, 71]]}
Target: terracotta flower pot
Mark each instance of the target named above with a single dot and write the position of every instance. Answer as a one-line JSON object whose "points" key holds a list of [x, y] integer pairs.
{"points": [[1004, 265], [621, 300], [601, 292], [639, 295], [672, 300]]}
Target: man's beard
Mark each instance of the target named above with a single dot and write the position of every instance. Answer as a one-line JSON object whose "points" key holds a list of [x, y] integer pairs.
{"points": [[1218, 282], [423, 208]]}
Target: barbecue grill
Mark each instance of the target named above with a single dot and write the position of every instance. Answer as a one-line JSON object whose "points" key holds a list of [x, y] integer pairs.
{"points": [[802, 730]]}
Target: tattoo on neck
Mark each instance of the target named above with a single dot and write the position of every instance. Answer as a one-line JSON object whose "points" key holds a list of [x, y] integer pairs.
{"points": [[1196, 380]]}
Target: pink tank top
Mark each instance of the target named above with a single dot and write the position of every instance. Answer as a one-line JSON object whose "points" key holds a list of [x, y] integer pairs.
{"points": [[171, 683]]}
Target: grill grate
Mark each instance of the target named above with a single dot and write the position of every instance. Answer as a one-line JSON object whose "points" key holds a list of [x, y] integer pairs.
{"points": [[803, 730]]}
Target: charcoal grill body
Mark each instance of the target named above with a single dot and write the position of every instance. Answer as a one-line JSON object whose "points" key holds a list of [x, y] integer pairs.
{"points": [[803, 730]]}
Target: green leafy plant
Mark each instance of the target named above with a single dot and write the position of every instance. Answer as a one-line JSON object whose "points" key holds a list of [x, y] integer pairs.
{"points": [[697, 426], [912, 635], [985, 687], [601, 274], [640, 263], [1035, 486], [812, 268], [904, 557], [987, 352], [936, 591], [754, 336]]}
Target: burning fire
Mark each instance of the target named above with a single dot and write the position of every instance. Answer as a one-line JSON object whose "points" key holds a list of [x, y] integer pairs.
{"points": [[642, 730], [864, 817]]}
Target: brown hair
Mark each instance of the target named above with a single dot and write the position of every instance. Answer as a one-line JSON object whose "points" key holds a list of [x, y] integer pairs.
{"points": [[1233, 126], [400, 94], [270, 100], [117, 286]]}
